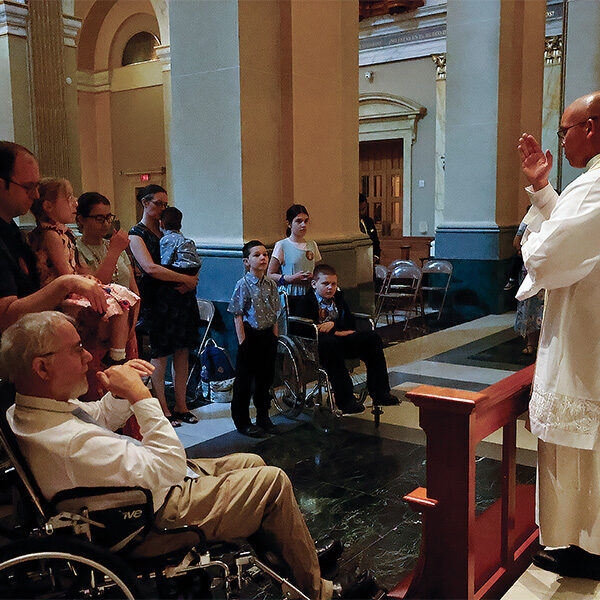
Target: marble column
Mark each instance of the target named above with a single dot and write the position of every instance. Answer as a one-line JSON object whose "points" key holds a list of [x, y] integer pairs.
{"points": [[16, 123], [96, 137], [440, 136], [552, 98], [495, 57], [15, 100], [163, 52], [71, 27], [582, 64], [264, 115]]}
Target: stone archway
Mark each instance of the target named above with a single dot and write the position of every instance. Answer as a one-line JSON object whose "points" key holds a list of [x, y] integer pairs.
{"points": [[387, 117]]}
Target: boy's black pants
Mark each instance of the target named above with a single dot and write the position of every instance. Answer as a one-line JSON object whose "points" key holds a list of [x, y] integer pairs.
{"points": [[255, 364], [367, 346]]}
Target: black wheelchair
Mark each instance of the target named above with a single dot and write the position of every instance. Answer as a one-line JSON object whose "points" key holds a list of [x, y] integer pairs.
{"points": [[300, 383], [103, 543]]}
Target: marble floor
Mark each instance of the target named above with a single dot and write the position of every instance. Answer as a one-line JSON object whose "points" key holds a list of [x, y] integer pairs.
{"points": [[350, 482]]}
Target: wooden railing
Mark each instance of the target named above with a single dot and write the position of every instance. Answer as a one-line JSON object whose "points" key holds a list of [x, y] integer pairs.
{"points": [[463, 555]]}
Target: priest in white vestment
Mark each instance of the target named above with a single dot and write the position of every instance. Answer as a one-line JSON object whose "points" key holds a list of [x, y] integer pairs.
{"points": [[561, 252]]}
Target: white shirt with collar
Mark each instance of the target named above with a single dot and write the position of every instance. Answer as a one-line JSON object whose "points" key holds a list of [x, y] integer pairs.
{"points": [[63, 451], [561, 252]]}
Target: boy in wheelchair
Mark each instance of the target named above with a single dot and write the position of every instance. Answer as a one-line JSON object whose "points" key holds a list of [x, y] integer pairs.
{"points": [[339, 340], [70, 444]]}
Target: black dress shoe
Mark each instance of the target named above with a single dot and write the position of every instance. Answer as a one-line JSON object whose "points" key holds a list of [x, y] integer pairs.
{"points": [[329, 551], [569, 562], [253, 431], [267, 425], [354, 407], [386, 400], [354, 586]]}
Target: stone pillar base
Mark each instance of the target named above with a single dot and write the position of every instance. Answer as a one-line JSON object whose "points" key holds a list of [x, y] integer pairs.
{"points": [[481, 256]]}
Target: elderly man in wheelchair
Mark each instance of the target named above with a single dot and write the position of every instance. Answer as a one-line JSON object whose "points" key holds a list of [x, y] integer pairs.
{"points": [[145, 512]]}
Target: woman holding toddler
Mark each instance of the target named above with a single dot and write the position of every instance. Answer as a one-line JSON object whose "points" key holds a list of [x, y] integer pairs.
{"points": [[168, 313]]}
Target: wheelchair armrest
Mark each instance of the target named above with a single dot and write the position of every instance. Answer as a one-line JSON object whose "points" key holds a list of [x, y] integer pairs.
{"points": [[104, 497], [298, 326], [364, 322]]}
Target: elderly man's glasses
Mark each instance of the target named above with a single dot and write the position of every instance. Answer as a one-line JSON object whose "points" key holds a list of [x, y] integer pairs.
{"points": [[100, 219], [77, 348], [30, 188], [562, 131]]}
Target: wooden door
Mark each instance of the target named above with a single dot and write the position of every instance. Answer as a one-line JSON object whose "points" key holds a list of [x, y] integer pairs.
{"points": [[380, 169]]}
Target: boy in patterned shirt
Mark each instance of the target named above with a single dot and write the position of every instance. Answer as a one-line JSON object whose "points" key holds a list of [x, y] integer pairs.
{"points": [[255, 305]]}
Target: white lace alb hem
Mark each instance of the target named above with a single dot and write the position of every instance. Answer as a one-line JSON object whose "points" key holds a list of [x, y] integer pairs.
{"points": [[562, 419]]}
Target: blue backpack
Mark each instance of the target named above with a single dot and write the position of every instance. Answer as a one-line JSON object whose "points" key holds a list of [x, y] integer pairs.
{"points": [[216, 365]]}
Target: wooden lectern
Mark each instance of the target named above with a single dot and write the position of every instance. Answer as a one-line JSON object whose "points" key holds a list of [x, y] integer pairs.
{"points": [[463, 555]]}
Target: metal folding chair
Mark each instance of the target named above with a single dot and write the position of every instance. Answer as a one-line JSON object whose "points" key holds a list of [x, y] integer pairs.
{"points": [[381, 275], [401, 261], [401, 292], [435, 268], [206, 309]]}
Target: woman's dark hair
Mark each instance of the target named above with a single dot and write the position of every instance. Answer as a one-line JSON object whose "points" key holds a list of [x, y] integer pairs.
{"points": [[88, 200], [291, 213], [147, 193]]}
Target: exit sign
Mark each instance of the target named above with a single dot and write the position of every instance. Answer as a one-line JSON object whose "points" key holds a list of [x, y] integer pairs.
{"points": [[145, 177]]}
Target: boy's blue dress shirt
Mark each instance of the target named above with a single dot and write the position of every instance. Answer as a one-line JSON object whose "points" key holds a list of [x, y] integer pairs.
{"points": [[257, 300]]}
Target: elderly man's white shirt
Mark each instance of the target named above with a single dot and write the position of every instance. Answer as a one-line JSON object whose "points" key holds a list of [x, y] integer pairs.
{"points": [[561, 252], [65, 452]]}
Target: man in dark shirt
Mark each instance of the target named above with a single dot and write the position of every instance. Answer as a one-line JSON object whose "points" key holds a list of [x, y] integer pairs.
{"points": [[367, 225], [19, 285]]}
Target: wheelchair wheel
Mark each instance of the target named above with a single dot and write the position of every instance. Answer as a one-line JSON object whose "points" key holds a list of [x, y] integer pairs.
{"points": [[51, 567], [288, 391]]}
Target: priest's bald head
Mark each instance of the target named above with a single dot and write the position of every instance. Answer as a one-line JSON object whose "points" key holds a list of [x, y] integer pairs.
{"points": [[579, 130]]}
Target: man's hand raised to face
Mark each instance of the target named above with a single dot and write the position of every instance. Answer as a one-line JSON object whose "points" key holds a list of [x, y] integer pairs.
{"points": [[535, 164], [125, 381]]}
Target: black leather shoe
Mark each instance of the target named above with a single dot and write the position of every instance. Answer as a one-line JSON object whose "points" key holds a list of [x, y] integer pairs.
{"points": [[329, 551], [569, 562], [386, 400], [267, 425], [354, 586], [253, 431], [352, 408]]}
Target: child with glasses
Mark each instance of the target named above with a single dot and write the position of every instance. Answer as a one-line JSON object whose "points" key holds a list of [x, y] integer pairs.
{"points": [[56, 252], [106, 259]]}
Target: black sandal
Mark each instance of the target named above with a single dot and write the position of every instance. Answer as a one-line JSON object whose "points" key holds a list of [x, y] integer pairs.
{"points": [[175, 422], [186, 417]]}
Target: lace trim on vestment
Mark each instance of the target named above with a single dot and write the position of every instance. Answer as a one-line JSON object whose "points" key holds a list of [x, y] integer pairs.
{"points": [[549, 410]]}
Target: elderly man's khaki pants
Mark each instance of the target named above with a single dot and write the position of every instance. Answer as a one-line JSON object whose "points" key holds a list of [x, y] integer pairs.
{"points": [[237, 495]]}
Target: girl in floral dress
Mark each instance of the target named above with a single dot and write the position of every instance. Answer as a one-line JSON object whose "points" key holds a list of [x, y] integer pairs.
{"points": [[54, 246]]}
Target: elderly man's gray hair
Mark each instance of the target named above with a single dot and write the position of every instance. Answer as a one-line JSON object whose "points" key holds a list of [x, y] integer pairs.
{"points": [[32, 335]]}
